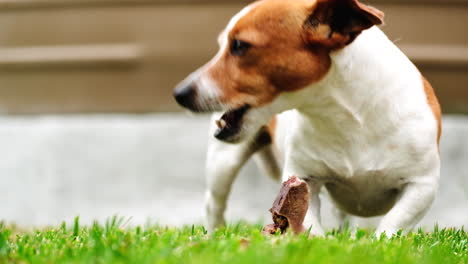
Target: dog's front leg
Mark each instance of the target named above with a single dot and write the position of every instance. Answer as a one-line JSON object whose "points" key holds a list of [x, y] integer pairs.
{"points": [[222, 166], [416, 198], [223, 163], [313, 218]]}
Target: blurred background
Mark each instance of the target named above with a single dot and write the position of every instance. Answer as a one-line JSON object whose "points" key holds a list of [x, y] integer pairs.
{"points": [[88, 125]]}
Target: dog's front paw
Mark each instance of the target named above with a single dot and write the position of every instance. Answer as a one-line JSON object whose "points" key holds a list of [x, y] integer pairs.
{"points": [[388, 232], [213, 223]]}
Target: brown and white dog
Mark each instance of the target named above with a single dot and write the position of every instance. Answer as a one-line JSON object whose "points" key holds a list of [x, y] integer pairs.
{"points": [[313, 88]]}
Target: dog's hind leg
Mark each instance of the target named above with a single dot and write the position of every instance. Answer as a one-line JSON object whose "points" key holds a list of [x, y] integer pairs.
{"points": [[266, 158], [415, 199], [223, 163]]}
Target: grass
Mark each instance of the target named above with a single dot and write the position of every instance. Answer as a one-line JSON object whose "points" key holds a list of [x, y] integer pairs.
{"points": [[241, 243]]}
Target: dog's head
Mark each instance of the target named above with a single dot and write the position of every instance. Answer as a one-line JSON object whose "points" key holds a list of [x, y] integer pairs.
{"points": [[269, 50]]}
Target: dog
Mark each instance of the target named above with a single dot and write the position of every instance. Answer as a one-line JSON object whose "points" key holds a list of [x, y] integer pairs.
{"points": [[314, 89]]}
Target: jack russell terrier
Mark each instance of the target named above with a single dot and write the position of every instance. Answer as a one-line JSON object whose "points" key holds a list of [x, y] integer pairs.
{"points": [[314, 89]]}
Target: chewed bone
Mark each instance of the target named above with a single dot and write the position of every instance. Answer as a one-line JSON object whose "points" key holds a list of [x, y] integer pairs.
{"points": [[290, 207]]}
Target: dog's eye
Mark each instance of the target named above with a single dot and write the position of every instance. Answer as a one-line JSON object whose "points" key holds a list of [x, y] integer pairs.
{"points": [[239, 47]]}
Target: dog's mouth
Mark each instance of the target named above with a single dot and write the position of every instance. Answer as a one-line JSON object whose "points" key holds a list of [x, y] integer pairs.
{"points": [[230, 124]]}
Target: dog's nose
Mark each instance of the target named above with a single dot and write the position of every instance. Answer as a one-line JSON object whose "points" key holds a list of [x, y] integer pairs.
{"points": [[185, 96]]}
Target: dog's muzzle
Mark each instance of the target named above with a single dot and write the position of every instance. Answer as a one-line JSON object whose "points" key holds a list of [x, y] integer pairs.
{"points": [[185, 95]]}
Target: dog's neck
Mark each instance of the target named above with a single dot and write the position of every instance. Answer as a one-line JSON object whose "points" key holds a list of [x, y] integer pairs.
{"points": [[366, 78]]}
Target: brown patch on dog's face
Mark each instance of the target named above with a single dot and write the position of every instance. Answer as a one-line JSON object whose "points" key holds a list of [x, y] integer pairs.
{"points": [[265, 54]]}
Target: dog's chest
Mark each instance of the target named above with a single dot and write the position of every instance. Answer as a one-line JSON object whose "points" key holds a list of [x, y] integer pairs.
{"points": [[362, 172], [343, 150]]}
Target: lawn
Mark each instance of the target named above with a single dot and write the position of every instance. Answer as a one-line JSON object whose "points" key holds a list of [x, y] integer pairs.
{"points": [[113, 242]]}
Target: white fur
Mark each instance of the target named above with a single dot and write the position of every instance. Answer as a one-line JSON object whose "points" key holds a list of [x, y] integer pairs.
{"points": [[366, 130]]}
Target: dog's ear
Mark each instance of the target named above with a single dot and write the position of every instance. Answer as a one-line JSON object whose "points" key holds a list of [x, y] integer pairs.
{"points": [[336, 23]]}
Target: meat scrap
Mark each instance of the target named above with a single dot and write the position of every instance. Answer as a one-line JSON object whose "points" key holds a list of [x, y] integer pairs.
{"points": [[290, 207]]}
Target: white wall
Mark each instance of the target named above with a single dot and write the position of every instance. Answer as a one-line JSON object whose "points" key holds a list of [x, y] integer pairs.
{"points": [[150, 168]]}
